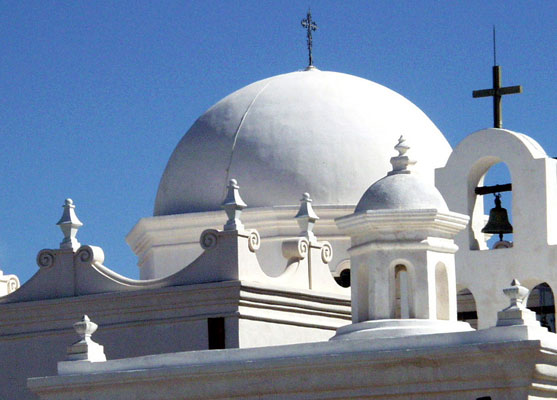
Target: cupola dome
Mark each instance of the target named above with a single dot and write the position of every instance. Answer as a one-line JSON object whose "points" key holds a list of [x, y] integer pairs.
{"points": [[401, 189]]}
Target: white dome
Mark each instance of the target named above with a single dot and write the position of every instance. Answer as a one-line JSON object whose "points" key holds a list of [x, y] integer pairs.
{"points": [[401, 191], [326, 133]]}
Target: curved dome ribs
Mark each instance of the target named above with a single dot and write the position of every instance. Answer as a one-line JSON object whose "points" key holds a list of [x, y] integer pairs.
{"points": [[236, 133]]}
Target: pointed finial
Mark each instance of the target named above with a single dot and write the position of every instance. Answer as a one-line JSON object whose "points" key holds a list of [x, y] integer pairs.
{"points": [[401, 146], [401, 162], [516, 293], [85, 349], [85, 327], [306, 218], [69, 224], [233, 205]]}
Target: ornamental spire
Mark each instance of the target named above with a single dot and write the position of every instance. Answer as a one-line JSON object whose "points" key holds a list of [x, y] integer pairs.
{"points": [[69, 224], [310, 26], [233, 205], [306, 218], [401, 162]]}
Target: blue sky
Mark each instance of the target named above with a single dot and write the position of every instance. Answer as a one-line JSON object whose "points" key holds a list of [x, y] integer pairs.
{"points": [[95, 95]]}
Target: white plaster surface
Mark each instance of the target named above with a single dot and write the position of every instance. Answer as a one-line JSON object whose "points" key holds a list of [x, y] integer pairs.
{"points": [[505, 363], [35, 335], [326, 133]]}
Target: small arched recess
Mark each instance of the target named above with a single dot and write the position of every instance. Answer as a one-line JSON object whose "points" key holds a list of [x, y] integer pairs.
{"points": [[541, 301], [401, 293], [487, 173]]}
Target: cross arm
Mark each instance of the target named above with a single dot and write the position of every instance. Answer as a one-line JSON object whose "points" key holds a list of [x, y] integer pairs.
{"points": [[511, 90], [483, 93]]}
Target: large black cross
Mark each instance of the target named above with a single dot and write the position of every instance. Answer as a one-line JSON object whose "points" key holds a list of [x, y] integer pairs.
{"points": [[497, 92], [310, 26]]}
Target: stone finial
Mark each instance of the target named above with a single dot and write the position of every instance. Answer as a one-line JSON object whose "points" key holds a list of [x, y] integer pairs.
{"points": [[306, 218], [516, 313], [233, 205], [401, 162], [69, 224], [516, 293], [86, 349]]}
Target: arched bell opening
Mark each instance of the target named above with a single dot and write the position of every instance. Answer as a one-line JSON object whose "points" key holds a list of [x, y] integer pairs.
{"points": [[442, 291], [541, 301], [466, 307], [490, 205]]}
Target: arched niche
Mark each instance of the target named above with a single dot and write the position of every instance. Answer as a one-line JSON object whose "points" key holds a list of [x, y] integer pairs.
{"points": [[442, 291], [401, 290], [488, 172], [542, 302], [466, 307]]}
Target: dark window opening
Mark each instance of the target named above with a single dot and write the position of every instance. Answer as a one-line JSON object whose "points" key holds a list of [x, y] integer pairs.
{"points": [[216, 333], [541, 301], [344, 278]]}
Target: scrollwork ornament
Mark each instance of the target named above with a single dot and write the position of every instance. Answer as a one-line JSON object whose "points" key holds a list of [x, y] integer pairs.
{"points": [[303, 248], [90, 254], [326, 252], [254, 241], [13, 284], [85, 254], [45, 258], [208, 239]]}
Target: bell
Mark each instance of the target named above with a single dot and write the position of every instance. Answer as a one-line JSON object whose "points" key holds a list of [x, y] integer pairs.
{"points": [[498, 222]]}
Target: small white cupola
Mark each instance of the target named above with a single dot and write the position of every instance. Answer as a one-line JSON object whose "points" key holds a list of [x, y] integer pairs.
{"points": [[402, 256]]}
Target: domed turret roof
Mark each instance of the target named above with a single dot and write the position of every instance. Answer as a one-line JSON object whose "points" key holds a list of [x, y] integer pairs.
{"points": [[401, 189], [326, 133]]}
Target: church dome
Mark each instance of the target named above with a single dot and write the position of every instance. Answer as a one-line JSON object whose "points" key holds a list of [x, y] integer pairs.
{"points": [[325, 133]]}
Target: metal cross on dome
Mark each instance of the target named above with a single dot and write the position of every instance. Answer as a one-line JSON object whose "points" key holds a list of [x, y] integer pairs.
{"points": [[497, 92], [310, 26]]}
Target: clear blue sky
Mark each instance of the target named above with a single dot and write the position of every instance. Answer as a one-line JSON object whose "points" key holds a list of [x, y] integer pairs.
{"points": [[96, 94]]}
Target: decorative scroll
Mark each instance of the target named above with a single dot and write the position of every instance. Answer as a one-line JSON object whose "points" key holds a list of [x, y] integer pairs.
{"points": [[13, 284], [208, 239], [254, 241], [90, 254], [295, 249], [326, 252], [45, 258]]}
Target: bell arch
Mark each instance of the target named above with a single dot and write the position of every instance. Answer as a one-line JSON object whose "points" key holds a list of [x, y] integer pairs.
{"points": [[542, 302], [527, 163], [490, 196], [466, 307]]}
